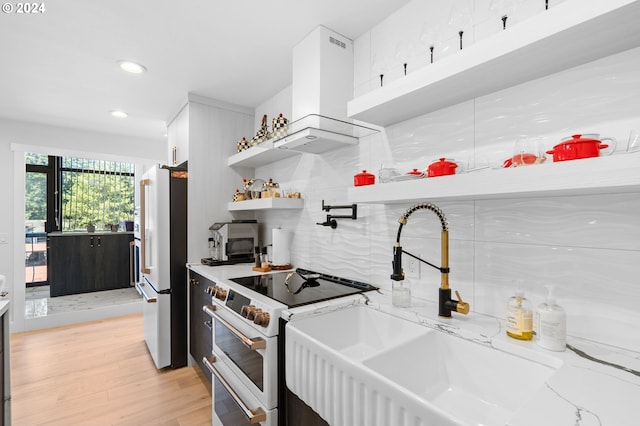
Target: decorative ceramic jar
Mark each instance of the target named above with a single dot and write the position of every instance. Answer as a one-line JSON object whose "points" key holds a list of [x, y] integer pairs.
{"points": [[262, 134], [279, 127], [270, 189], [238, 196], [243, 144]]}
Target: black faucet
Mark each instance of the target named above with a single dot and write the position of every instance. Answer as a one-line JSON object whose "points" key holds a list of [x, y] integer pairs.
{"points": [[331, 219], [446, 304]]}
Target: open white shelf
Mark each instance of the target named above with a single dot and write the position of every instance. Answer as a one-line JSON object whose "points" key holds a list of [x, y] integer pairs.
{"points": [[258, 155], [567, 35], [613, 174], [266, 204], [312, 133]]}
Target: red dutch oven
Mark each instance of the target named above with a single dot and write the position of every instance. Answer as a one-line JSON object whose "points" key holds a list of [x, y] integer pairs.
{"points": [[364, 178], [579, 147], [442, 167]]}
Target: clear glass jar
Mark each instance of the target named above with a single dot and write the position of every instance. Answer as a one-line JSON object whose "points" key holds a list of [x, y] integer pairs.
{"points": [[401, 293]]}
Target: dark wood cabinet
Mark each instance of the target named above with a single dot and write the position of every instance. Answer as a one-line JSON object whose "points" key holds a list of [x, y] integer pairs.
{"points": [[5, 365], [88, 262], [2, 372], [200, 333]]}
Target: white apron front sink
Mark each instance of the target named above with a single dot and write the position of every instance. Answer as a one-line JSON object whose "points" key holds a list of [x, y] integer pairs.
{"points": [[359, 366]]}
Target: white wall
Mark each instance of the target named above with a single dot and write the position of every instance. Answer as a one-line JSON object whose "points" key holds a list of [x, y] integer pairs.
{"points": [[214, 129], [589, 245], [16, 138]]}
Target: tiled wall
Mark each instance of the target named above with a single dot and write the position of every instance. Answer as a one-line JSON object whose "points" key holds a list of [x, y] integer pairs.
{"points": [[588, 245]]}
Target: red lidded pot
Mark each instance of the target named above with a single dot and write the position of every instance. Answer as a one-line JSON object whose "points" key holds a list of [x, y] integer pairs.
{"points": [[364, 178], [442, 167]]}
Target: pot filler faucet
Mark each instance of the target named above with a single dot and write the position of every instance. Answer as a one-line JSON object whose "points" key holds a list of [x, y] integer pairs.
{"points": [[446, 304]]}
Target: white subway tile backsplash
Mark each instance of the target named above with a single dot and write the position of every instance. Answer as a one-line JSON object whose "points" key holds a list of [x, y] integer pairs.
{"points": [[596, 283], [599, 97], [595, 221]]}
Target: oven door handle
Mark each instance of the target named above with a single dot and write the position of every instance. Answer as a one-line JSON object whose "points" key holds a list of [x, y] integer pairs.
{"points": [[251, 343], [253, 416]]}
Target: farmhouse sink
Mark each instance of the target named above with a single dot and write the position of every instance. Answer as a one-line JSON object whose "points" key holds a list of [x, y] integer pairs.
{"points": [[358, 332], [362, 366]]}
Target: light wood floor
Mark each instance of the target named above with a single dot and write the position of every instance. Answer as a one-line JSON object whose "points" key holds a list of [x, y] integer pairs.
{"points": [[100, 373]]}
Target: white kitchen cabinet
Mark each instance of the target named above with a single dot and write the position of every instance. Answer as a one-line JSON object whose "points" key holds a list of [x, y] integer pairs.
{"points": [[567, 35], [178, 138], [206, 129], [599, 175]]}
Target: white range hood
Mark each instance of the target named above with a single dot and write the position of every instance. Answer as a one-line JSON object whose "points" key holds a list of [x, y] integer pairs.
{"points": [[317, 134], [322, 84]]}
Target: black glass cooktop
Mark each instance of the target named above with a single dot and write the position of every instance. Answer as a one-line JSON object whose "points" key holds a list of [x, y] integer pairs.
{"points": [[302, 286]]}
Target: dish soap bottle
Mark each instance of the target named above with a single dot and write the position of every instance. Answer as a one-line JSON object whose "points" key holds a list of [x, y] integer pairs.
{"points": [[551, 324], [519, 317]]}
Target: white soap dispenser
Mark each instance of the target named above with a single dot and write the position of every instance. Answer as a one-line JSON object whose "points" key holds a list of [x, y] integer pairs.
{"points": [[551, 324]]}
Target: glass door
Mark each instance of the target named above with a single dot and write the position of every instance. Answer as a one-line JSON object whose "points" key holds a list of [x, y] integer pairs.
{"points": [[39, 216]]}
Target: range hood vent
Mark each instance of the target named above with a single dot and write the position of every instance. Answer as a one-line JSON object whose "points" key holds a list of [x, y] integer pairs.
{"points": [[316, 134]]}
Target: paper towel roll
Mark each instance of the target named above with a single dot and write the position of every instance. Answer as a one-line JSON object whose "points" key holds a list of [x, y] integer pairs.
{"points": [[281, 247]]}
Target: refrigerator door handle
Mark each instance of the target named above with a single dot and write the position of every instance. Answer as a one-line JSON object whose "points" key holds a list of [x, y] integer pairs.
{"points": [[140, 288], [132, 263], [144, 183]]}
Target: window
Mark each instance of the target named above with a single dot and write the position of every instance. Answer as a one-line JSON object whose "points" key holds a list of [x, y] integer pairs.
{"points": [[68, 194], [95, 192]]}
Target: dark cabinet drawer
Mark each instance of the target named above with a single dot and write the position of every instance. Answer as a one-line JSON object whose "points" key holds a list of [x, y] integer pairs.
{"points": [[200, 333]]}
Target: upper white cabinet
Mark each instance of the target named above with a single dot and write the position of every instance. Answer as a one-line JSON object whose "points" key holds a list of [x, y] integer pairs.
{"points": [[178, 138], [312, 134], [614, 174], [569, 34]]}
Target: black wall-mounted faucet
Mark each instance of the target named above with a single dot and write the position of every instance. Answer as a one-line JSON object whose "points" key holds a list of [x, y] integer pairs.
{"points": [[331, 219]]}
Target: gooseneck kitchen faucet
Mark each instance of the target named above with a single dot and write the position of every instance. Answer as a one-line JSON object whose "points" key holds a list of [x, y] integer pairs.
{"points": [[446, 304]]}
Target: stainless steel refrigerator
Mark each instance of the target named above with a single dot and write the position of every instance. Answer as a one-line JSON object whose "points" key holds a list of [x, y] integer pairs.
{"points": [[163, 258]]}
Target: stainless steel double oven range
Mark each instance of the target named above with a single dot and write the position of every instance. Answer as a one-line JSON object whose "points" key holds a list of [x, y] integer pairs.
{"points": [[247, 361]]}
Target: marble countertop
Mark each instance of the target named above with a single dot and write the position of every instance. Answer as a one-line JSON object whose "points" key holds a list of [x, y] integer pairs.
{"points": [[594, 384], [225, 272]]}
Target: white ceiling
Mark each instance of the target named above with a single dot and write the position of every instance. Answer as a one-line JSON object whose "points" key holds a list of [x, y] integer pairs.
{"points": [[59, 67]]}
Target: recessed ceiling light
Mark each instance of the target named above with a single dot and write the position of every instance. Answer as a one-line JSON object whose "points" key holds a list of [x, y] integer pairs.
{"points": [[132, 67], [119, 114]]}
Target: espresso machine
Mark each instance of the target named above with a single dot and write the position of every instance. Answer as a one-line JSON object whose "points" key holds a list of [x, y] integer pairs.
{"points": [[232, 242]]}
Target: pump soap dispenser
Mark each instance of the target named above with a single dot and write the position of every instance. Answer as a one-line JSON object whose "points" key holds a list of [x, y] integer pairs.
{"points": [[551, 324], [519, 317]]}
